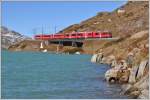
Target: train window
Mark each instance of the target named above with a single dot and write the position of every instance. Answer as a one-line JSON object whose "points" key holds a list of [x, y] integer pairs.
{"points": [[97, 34], [73, 34]]}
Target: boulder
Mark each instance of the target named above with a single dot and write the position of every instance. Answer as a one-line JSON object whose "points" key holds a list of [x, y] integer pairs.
{"points": [[130, 59], [111, 74], [125, 88], [133, 72], [142, 66], [135, 94], [99, 57], [120, 11], [143, 83], [144, 94], [93, 59], [109, 59], [124, 77], [113, 63]]}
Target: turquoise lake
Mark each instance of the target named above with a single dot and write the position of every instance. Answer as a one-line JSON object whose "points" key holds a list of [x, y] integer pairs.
{"points": [[36, 75]]}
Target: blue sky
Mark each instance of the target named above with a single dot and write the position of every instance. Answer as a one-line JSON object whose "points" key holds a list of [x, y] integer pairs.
{"points": [[23, 17]]}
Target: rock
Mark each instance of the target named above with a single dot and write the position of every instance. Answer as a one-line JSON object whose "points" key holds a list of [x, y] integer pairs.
{"points": [[125, 88], [130, 59], [143, 83], [144, 94], [124, 64], [124, 77], [139, 34], [99, 57], [142, 66], [111, 74], [135, 94], [120, 11], [45, 50], [104, 60], [109, 20], [147, 45], [130, 89], [114, 63], [109, 59], [78, 53], [136, 50], [93, 59], [133, 73]]}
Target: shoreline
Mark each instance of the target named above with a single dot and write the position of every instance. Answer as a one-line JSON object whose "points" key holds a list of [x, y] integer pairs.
{"points": [[134, 80]]}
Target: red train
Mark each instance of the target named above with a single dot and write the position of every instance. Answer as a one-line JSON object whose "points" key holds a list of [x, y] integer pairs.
{"points": [[74, 35]]}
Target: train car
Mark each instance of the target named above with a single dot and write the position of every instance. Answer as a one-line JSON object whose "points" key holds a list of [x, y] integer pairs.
{"points": [[58, 36], [43, 37], [81, 35], [106, 35], [102, 35], [67, 36], [46, 37], [38, 36], [74, 35]]}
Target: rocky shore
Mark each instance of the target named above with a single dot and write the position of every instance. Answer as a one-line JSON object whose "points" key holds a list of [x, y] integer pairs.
{"points": [[131, 70]]}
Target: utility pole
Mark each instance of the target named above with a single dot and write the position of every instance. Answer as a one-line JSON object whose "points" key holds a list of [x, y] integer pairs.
{"points": [[55, 29], [34, 31], [42, 32]]}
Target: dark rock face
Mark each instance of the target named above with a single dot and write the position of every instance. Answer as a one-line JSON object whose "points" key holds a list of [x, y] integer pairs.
{"points": [[10, 37]]}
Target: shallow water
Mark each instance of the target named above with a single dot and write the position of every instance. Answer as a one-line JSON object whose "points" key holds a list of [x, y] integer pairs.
{"points": [[54, 76]]}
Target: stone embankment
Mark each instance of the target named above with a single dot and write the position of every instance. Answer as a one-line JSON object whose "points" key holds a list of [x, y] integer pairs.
{"points": [[131, 72]]}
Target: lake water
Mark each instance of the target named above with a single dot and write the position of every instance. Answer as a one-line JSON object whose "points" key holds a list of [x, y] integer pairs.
{"points": [[54, 76]]}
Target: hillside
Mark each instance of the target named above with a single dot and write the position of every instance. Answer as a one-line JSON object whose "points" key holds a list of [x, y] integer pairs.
{"points": [[132, 18], [122, 22], [10, 37]]}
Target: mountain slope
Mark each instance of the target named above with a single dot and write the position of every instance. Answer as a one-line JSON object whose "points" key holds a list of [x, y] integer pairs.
{"points": [[133, 18], [123, 22], [10, 37]]}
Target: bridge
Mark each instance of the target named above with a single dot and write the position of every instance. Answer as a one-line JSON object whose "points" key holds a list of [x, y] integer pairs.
{"points": [[76, 42]]}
